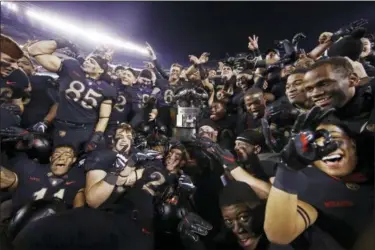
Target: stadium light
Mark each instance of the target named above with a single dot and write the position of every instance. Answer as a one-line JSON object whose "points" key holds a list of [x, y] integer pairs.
{"points": [[91, 35], [10, 6]]}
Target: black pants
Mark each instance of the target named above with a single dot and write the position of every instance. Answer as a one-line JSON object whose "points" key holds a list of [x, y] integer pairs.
{"points": [[84, 229], [72, 134]]}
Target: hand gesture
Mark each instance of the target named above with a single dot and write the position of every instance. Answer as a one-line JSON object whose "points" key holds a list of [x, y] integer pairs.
{"points": [[325, 37], [192, 225], [194, 59], [302, 150], [40, 127], [151, 52], [253, 43], [149, 65], [185, 183], [204, 57]]}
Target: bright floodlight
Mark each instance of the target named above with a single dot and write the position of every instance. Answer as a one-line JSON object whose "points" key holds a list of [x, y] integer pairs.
{"points": [[11, 6], [91, 35]]}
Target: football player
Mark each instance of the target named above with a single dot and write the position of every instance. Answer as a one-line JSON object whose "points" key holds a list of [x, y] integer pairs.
{"points": [[85, 101]]}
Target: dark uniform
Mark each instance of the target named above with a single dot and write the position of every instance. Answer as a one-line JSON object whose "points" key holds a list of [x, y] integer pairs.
{"points": [[79, 104], [12, 87], [344, 206], [165, 100], [40, 101], [123, 222], [35, 181], [140, 95], [121, 110]]}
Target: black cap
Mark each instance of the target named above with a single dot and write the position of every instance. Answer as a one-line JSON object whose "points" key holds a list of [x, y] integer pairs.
{"points": [[237, 192], [146, 74], [119, 67], [102, 63], [273, 50], [349, 46], [252, 137]]}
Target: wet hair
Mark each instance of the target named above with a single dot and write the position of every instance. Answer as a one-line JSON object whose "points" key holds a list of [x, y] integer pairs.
{"points": [[237, 192], [299, 71], [177, 65], [75, 151], [339, 65], [253, 91], [124, 127]]}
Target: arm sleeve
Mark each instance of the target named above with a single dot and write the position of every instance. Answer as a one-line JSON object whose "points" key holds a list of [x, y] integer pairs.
{"points": [[160, 70]]}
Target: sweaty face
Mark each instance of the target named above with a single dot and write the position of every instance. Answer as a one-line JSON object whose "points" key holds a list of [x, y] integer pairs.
{"points": [[127, 77], [341, 162], [212, 73], [295, 90], [8, 65], [366, 47], [91, 66], [217, 111], [272, 57], [255, 104], [144, 80], [243, 81], [174, 73], [226, 72], [327, 88], [26, 65], [238, 218], [173, 159], [123, 141], [61, 160], [244, 150]]}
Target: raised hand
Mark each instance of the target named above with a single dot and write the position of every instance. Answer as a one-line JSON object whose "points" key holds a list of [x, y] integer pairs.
{"points": [[192, 226], [253, 43], [151, 51]]}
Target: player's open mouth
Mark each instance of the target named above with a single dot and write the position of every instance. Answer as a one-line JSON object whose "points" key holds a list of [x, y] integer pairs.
{"points": [[322, 102], [60, 165], [333, 160], [246, 241]]}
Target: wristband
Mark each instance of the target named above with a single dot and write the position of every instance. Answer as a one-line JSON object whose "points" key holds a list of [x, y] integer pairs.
{"points": [[287, 180], [111, 178]]}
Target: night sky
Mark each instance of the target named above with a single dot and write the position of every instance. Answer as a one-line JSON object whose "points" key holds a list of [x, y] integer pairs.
{"points": [[178, 29]]}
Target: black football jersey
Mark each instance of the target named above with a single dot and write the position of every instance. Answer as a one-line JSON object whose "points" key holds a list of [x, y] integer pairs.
{"points": [[35, 181], [38, 104], [13, 86], [80, 97], [122, 106]]}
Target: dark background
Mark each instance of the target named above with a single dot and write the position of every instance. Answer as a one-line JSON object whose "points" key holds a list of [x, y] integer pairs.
{"points": [[178, 29]]}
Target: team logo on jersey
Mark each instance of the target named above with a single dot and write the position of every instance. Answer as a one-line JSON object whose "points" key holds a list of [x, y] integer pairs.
{"points": [[352, 186], [62, 133]]}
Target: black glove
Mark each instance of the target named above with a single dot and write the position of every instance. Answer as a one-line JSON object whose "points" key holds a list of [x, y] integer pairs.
{"points": [[270, 140], [94, 142], [225, 157], [17, 134], [302, 150], [121, 163], [191, 226], [298, 37], [347, 30], [40, 127], [310, 120], [185, 183], [13, 108]]}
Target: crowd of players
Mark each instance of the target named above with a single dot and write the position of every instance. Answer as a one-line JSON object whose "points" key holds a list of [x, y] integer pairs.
{"points": [[278, 156]]}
